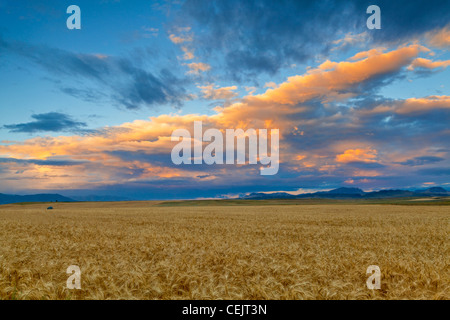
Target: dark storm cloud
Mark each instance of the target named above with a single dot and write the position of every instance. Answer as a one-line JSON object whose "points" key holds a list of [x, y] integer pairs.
{"points": [[405, 19], [58, 163], [48, 122], [445, 171], [257, 36], [263, 36], [420, 161], [127, 84], [365, 165]]}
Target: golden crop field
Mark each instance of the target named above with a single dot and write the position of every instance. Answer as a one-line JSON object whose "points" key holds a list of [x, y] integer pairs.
{"points": [[143, 250]]}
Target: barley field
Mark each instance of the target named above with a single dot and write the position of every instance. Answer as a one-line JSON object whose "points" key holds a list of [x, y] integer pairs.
{"points": [[148, 250]]}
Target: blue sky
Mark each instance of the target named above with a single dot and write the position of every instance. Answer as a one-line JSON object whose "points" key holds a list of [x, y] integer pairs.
{"points": [[145, 68]]}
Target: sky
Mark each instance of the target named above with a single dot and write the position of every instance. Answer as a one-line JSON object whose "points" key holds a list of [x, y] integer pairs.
{"points": [[91, 111]]}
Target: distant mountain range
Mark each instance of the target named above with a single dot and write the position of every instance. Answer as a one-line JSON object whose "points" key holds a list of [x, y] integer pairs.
{"points": [[353, 193], [12, 198], [340, 193]]}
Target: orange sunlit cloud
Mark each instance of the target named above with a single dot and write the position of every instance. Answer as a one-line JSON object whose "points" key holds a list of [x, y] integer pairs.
{"points": [[428, 64], [357, 155]]}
